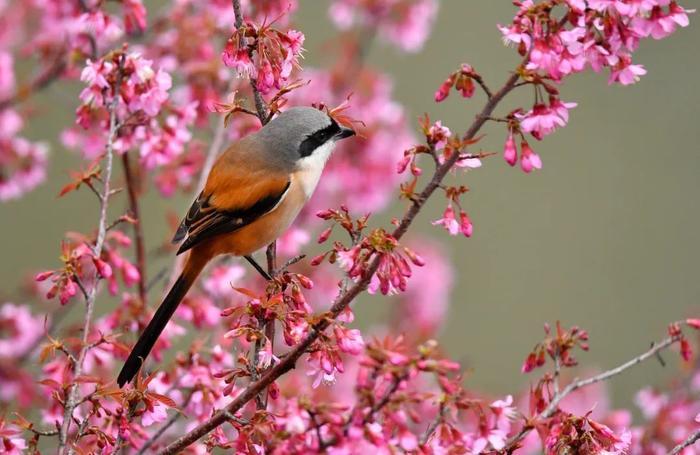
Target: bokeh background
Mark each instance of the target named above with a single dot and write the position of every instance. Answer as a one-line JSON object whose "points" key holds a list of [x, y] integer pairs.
{"points": [[604, 236]]}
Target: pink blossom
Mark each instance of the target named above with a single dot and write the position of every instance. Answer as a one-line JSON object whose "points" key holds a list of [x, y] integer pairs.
{"points": [[349, 340], [134, 16], [626, 73], [20, 330], [266, 357], [438, 135], [239, 60], [11, 441], [448, 221], [529, 160], [543, 120], [510, 153], [444, 90], [465, 224], [220, 281], [404, 23]]}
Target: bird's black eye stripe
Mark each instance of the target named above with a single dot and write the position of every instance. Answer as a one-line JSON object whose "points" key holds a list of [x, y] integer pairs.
{"points": [[317, 139]]}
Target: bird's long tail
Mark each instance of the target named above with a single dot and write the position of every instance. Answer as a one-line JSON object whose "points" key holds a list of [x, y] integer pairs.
{"points": [[194, 265]]}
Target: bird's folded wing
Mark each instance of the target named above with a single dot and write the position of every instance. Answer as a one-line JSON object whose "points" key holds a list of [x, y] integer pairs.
{"points": [[230, 200]]}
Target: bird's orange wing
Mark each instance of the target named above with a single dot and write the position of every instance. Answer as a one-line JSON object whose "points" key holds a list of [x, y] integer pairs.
{"points": [[235, 195]]}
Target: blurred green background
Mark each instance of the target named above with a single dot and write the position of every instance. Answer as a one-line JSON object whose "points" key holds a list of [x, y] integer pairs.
{"points": [[604, 236]]}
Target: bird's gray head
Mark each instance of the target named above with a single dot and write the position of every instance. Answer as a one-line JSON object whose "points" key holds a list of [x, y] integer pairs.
{"points": [[300, 131]]}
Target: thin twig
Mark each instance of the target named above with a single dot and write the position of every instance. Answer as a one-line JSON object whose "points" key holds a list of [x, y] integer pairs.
{"points": [[289, 263], [271, 252], [131, 187], [577, 384], [557, 372], [289, 361], [433, 425], [479, 80], [692, 439], [92, 294]]}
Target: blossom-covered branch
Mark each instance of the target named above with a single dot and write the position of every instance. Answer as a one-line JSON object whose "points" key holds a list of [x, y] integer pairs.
{"points": [[91, 294], [289, 360], [559, 395], [277, 365]]}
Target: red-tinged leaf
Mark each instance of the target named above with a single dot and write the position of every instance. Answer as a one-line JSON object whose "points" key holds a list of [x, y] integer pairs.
{"points": [[473, 141], [83, 177], [163, 399], [68, 188], [85, 379], [148, 379], [246, 292], [21, 422], [50, 383], [112, 392]]}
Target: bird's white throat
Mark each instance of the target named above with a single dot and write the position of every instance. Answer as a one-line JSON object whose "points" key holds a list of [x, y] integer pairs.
{"points": [[310, 167]]}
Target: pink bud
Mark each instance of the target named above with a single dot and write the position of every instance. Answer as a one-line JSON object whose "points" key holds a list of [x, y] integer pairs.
{"points": [[529, 159], [325, 234], [104, 269], [130, 273], [530, 363], [318, 259], [444, 90], [465, 224], [694, 323], [510, 153], [305, 281], [324, 214], [415, 258], [403, 164], [686, 350], [43, 275], [68, 291]]}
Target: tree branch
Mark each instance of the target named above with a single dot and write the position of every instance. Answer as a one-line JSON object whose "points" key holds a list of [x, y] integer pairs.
{"points": [[92, 294], [289, 361], [131, 187], [692, 439], [577, 384]]}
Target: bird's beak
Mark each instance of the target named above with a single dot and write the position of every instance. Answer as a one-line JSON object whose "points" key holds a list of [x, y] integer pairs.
{"points": [[345, 132]]}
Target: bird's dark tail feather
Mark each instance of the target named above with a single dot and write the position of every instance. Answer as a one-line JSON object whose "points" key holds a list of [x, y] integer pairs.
{"points": [[160, 319]]}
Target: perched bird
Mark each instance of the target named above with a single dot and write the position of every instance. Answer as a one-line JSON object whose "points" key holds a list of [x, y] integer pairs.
{"points": [[254, 191]]}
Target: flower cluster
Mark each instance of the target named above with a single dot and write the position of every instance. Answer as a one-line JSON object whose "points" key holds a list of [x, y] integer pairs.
{"points": [[145, 118], [359, 391], [403, 23], [597, 34], [263, 54], [392, 261], [557, 346], [22, 163], [81, 266]]}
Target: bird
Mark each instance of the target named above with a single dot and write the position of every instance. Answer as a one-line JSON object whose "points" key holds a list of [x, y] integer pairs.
{"points": [[254, 191]]}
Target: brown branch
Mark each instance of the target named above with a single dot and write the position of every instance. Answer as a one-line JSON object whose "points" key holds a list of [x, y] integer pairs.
{"points": [[577, 384], [92, 294], [271, 252], [692, 439], [289, 361], [131, 187]]}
